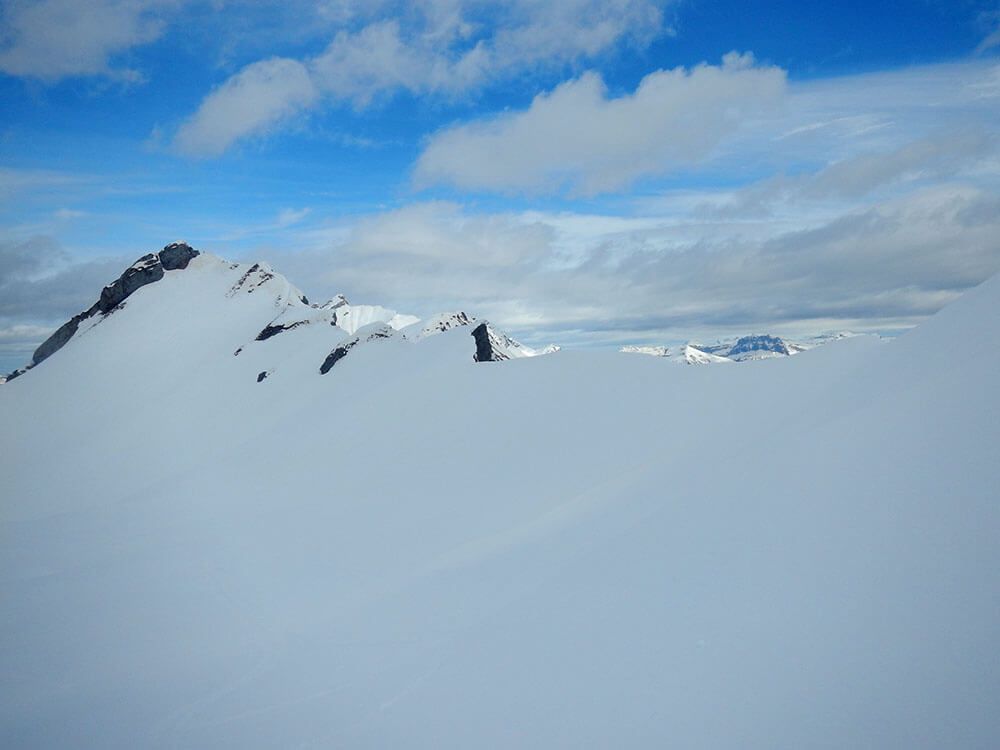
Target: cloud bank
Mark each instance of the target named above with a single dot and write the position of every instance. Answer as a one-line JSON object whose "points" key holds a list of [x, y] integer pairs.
{"points": [[54, 39], [578, 136], [441, 47], [590, 278]]}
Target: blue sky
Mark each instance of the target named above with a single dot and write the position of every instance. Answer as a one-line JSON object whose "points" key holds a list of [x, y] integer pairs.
{"points": [[588, 172]]}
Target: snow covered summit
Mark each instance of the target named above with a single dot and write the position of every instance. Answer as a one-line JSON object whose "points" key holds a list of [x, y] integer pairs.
{"points": [[234, 300]]}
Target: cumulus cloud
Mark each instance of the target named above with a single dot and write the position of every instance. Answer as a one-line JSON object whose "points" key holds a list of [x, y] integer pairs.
{"points": [[589, 278], [445, 47], [55, 39], [257, 99], [578, 136], [452, 46]]}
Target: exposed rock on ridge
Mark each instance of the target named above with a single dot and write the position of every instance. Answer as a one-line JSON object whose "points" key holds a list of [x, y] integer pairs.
{"points": [[378, 331], [147, 270], [485, 349]]}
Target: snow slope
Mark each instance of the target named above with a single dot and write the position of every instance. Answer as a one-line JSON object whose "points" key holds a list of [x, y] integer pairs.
{"points": [[415, 550]]}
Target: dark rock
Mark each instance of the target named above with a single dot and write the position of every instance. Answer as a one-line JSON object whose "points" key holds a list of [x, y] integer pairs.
{"points": [[146, 270], [177, 255], [453, 321], [335, 356], [57, 340], [484, 347], [764, 343], [261, 276], [384, 332], [18, 373], [273, 330]]}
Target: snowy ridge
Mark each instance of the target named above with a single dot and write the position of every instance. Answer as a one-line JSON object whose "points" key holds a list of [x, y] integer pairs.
{"points": [[371, 332], [692, 355], [493, 345], [281, 329], [439, 324], [148, 269], [651, 350]]}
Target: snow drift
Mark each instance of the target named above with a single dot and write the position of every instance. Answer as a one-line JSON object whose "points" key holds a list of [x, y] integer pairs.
{"points": [[417, 550]]}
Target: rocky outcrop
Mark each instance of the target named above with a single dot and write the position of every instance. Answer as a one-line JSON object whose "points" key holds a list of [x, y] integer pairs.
{"points": [[372, 334], [752, 344], [254, 277], [147, 270], [485, 350], [444, 322], [271, 330], [493, 345], [336, 355], [176, 256], [57, 340], [338, 300]]}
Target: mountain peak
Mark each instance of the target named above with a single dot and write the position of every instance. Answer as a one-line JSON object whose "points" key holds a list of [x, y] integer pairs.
{"points": [[148, 269], [247, 308]]}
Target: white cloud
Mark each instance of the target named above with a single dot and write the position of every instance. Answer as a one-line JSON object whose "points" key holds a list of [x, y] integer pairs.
{"points": [[358, 67], [455, 46], [445, 47], [577, 136], [594, 278], [858, 132], [251, 103], [54, 39]]}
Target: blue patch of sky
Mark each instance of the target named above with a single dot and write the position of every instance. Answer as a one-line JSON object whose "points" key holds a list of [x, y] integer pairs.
{"points": [[354, 161]]}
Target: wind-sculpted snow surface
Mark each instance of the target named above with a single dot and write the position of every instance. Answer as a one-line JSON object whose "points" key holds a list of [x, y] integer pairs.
{"points": [[414, 550]]}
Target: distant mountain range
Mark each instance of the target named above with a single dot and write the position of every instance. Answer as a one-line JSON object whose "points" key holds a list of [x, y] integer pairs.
{"points": [[347, 325], [743, 349]]}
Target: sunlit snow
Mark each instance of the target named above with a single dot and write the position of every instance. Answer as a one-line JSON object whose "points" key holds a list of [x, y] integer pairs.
{"points": [[415, 550]]}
